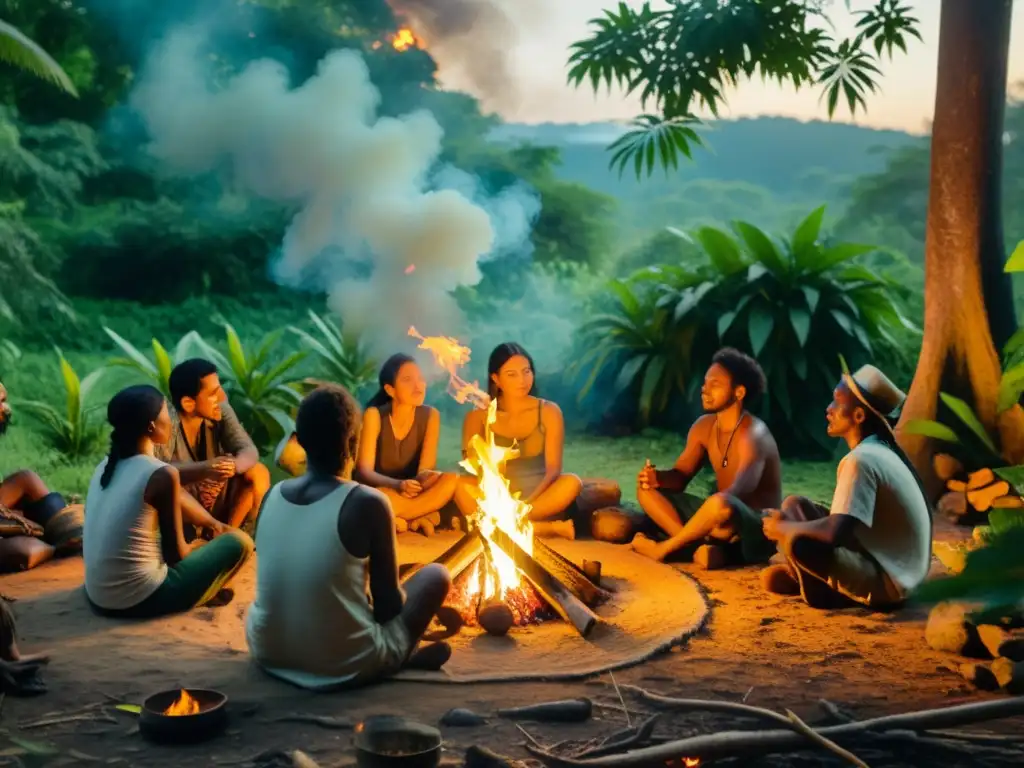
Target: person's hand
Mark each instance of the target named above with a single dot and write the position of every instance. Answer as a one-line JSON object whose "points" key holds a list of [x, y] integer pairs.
{"points": [[219, 528], [773, 525], [196, 544], [647, 477], [224, 466], [410, 488]]}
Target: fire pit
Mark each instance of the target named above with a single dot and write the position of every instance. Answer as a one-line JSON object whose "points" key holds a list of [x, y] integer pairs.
{"points": [[395, 742], [183, 715]]}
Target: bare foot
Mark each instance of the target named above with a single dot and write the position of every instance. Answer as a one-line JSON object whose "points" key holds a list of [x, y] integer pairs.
{"points": [[401, 525], [647, 547], [430, 657], [450, 619], [710, 557], [780, 580], [564, 529]]}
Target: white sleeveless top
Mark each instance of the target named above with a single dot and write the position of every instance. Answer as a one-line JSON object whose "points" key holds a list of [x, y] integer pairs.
{"points": [[120, 538], [311, 622]]}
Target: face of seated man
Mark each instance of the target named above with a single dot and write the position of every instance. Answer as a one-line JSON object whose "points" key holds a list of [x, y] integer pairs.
{"points": [[5, 409]]}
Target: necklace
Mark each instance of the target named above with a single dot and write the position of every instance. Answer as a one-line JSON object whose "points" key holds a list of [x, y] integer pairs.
{"points": [[728, 445]]}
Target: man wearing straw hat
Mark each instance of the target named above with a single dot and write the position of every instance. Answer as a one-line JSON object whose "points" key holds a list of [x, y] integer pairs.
{"points": [[873, 546]]}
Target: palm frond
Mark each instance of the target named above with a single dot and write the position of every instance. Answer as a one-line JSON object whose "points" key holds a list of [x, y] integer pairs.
{"points": [[18, 49]]}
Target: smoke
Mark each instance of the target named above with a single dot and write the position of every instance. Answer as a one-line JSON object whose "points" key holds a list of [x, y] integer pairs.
{"points": [[387, 240], [471, 39]]}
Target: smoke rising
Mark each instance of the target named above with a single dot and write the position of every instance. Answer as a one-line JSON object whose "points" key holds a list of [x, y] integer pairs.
{"points": [[388, 241], [473, 37]]}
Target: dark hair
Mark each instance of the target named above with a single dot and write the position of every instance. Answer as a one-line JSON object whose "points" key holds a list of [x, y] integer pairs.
{"points": [[187, 378], [501, 355], [130, 413], [743, 370], [327, 427], [388, 374]]}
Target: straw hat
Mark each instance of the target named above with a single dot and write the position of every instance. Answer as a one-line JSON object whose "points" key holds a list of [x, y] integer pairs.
{"points": [[875, 391]]}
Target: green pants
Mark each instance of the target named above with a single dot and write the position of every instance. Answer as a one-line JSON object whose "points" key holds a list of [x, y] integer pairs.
{"points": [[752, 545], [193, 581]]}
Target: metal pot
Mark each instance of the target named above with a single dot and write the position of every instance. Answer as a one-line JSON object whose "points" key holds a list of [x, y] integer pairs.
{"points": [[211, 719], [394, 742]]}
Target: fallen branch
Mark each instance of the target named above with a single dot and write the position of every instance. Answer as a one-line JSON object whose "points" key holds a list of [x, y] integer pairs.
{"points": [[821, 741], [80, 718], [743, 743], [622, 740], [331, 723]]}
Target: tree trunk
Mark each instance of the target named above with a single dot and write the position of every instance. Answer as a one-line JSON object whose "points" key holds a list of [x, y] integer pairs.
{"points": [[968, 304]]}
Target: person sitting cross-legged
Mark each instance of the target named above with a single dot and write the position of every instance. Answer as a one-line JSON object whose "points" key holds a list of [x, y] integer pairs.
{"points": [[319, 536], [221, 474], [745, 459], [137, 563], [873, 547]]}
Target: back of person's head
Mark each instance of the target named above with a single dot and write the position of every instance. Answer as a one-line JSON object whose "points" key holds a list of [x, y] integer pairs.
{"points": [[186, 380], [744, 371], [386, 378], [327, 427], [499, 357], [132, 413]]}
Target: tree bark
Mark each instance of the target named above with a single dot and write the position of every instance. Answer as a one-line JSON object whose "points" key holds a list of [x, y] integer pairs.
{"points": [[968, 303]]}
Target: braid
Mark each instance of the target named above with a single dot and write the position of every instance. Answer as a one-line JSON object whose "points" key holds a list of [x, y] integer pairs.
{"points": [[112, 458]]}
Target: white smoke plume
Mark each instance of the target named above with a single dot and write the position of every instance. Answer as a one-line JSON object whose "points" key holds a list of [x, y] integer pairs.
{"points": [[367, 224]]}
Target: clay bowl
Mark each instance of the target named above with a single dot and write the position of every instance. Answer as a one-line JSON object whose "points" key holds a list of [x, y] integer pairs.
{"points": [[395, 742], [210, 721]]}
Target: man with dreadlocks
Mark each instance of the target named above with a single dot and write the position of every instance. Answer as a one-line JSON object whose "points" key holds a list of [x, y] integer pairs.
{"points": [[874, 545], [36, 523]]}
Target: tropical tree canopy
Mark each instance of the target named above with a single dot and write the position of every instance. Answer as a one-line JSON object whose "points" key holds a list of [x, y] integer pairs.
{"points": [[684, 58], [19, 50]]}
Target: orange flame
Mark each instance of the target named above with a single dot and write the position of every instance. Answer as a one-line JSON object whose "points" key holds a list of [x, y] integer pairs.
{"points": [[183, 705], [691, 762], [451, 356], [404, 40]]}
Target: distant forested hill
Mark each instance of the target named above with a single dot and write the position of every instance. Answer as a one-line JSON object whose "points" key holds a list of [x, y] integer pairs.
{"points": [[769, 170]]}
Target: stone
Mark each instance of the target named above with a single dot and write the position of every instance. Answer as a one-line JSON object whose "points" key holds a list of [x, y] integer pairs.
{"points": [[614, 524], [978, 675], [598, 492], [953, 504], [1001, 643], [496, 618], [950, 630], [1010, 675], [462, 718]]}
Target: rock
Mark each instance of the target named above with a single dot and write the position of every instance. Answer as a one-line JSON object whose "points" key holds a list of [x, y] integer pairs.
{"points": [[1010, 675], [1001, 643], [978, 675], [496, 618], [949, 629], [953, 504], [614, 524], [598, 492], [463, 718], [946, 467], [290, 456]]}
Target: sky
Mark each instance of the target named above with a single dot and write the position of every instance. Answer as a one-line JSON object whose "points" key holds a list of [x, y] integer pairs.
{"points": [[904, 100]]}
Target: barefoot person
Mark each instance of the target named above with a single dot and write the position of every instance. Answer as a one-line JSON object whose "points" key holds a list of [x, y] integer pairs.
{"points": [[398, 447], [36, 524], [537, 428], [220, 469], [319, 535], [745, 459], [137, 563], [874, 545]]}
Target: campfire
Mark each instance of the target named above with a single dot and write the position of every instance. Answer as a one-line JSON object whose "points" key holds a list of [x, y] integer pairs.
{"points": [[185, 704], [499, 561]]}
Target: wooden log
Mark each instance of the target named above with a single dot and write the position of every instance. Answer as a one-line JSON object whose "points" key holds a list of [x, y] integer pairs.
{"points": [[457, 558], [598, 492], [982, 499], [568, 573], [557, 594], [1012, 501]]}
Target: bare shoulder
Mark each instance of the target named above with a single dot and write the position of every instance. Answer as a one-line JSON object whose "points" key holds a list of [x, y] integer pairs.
{"points": [[163, 479], [758, 433], [474, 419], [432, 413], [371, 414], [551, 410], [701, 429]]}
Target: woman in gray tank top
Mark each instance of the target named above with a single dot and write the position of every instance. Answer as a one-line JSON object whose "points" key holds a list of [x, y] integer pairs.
{"points": [[537, 428], [398, 448]]}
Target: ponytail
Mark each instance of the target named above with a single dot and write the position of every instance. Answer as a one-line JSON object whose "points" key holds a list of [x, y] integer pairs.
{"points": [[116, 454], [380, 399], [130, 412]]}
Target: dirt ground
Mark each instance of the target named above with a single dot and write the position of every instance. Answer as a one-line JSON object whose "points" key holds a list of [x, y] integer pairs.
{"points": [[765, 650]]}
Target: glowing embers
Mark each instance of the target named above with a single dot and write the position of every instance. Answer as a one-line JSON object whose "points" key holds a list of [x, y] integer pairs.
{"points": [[524, 602]]}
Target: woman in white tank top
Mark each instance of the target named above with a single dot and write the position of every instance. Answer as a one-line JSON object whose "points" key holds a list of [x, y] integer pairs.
{"points": [[319, 536], [137, 563]]}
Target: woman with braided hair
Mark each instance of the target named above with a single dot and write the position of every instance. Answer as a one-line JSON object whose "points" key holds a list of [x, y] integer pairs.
{"points": [[137, 563]]}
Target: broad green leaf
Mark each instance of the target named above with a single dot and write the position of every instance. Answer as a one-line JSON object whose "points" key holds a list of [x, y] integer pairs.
{"points": [[760, 325], [236, 354], [629, 371], [164, 365], [1003, 520], [133, 709], [651, 383], [807, 233], [725, 321], [812, 295], [722, 250], [1013, 475], [964, 412], [828, 258], [844, 322], [762, 248], [932, 429], [1011, 386], [800, 319], [1016, 261], [134, 355]]}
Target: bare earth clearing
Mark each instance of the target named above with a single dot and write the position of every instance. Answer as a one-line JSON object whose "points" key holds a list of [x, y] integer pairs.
{"points": [[771, 652]]}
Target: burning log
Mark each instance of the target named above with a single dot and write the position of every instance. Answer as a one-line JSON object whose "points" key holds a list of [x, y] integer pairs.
{"points": [[457, 558], [548, 583], [566, 572]]}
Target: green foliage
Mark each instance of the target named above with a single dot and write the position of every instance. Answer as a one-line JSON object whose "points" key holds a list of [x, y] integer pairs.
{"points": [[1016, 261], [263, 389], [75, 432], [687, 55], [340, 357], [793, 304], [19, 50], [10, 353], [157, 370]]}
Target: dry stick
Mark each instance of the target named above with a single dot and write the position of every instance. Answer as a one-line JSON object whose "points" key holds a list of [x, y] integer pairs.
{"points": [[66, 719], [629, 723], [831, 746], [738, 743]]}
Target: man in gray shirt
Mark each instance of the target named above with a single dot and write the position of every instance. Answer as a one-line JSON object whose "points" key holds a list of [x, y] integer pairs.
{"points": [[222, 479]]}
